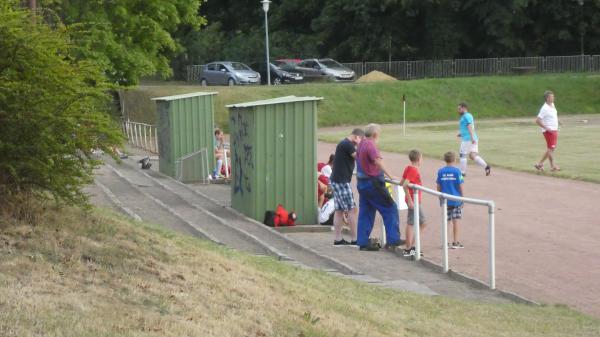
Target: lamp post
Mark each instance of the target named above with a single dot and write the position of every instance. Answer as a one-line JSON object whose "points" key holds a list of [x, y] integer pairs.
{"points": [[581, 25], [265, 5]]}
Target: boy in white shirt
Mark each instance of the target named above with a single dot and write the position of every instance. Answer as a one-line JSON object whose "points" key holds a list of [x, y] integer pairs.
{"points": [[547, 119]]}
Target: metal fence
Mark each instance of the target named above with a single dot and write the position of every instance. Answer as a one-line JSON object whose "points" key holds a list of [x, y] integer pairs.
{"points": [[444, 225], [191, 166], [193, 73], [144, 136], [409, 70]]}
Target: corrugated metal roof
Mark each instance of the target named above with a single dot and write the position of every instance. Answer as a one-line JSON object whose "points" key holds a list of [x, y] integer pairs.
{"points": [[279, 100], [192, 94]]}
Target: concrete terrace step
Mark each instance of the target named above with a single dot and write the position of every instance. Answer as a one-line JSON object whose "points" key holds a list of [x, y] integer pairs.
{"points": [[219, 221], [179, 208]]}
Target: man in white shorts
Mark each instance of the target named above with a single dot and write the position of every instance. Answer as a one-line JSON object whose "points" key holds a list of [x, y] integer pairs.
{"points": [[468, 146], [547, 119]]}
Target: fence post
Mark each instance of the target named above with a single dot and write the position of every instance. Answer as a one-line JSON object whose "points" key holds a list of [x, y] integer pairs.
{"points": [[445, 233], [156, 139], [416, 224], [145, 147], [492, 246]]}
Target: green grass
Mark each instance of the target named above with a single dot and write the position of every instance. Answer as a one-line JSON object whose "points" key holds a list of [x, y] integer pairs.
{"points": [[427, 100], [71, 273], [511, 143]]}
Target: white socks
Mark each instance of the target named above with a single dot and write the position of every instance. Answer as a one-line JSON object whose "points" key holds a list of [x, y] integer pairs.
{"points": [[480, 161], [463, 165]]}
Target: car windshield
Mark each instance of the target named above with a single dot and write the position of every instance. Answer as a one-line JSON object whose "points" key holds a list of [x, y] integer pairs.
{"points": [[239, 66], [329, 63]]}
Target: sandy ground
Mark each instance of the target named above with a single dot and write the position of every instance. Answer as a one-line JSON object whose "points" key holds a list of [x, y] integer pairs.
{"points": [[547, 232]]}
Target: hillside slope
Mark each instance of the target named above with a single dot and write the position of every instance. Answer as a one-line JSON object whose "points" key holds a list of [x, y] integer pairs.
{"points": [[97, 274], [381, 102]]}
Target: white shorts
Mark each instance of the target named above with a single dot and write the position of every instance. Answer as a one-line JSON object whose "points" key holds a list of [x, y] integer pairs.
{"points": [[468, 147]]}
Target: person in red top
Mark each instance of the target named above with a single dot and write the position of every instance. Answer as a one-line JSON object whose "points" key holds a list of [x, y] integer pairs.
{"points": [[412, 175]]}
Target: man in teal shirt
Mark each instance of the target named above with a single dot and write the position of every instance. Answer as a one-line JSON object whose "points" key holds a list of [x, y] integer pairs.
{"points": [[469, 146]]}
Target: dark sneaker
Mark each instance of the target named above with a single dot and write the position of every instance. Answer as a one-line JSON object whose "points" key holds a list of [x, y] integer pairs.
{"points": [[353, 243], [396, 244], [457, 245], [409, 252], [488, 170], [370, 248], [341, 242]]}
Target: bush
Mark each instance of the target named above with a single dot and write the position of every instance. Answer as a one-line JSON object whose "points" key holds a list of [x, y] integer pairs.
{"points": [[53, 112]]}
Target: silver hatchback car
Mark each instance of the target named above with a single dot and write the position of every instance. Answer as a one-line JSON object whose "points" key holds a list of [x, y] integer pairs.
{"points": [[228, 73]]}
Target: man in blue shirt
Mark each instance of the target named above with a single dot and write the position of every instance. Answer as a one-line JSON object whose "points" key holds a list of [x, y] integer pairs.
{"points": [[469, 145], [450, 180]]}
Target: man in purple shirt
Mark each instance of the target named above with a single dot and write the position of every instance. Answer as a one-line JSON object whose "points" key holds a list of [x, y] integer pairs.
{"points": [[373, 195]]}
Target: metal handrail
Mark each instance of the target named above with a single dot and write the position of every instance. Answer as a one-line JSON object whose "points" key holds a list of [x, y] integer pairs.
{"points": [[445, 197]]}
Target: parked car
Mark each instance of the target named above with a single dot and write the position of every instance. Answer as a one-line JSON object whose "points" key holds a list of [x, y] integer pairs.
{"points": [[325, 70], [287, 64], [279, 75], [228, 73]]}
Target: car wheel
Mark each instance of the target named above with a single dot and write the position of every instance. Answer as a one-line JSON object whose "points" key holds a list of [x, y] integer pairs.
{"points": [[231, 82], [277, 81], [203, 82]]}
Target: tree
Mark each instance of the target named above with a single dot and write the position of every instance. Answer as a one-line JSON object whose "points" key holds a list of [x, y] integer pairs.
{"points": [[52, 111], [128, 39]]}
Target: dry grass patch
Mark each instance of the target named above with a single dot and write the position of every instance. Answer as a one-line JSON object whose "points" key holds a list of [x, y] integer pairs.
{"points": [[95, 274]]}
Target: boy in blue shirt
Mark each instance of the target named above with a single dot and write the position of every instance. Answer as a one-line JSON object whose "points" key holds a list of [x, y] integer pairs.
{"points": [[449, 181], [469, 146]]}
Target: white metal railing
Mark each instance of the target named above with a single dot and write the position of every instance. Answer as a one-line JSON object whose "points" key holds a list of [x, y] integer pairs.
{"points": [[198, 161], [445, 197], [142, 135]]}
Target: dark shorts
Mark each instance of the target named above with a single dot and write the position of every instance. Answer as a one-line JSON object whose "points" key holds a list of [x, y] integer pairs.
{"points": [[454, 212], [551, 139]]}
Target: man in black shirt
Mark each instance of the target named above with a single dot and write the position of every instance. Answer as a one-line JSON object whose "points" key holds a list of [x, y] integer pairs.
{"points": [[343, 168]]}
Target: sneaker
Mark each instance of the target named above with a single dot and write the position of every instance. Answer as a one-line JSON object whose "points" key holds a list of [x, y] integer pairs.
{"points": [[457, 245], [341, 242], [396, 244], [412, 252], [353, 243], [539, 167], [370, 248], [488, 170]]}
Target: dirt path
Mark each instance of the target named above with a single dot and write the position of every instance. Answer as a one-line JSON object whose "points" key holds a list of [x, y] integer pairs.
{"points": [[547, 232]]}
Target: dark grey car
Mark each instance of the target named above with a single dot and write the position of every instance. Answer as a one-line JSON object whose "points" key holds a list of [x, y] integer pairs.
{"points": [[228, 73], [325, 70]]}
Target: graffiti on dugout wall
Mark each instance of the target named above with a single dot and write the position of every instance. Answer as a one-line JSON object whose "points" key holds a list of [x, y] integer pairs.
{"points": [[242, 154]]}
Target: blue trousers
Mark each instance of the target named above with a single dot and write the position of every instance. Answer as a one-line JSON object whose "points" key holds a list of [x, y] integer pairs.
{"points": [[370, 201]]}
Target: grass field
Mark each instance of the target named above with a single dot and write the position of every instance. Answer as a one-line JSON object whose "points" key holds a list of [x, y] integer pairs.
{"points": [[511, 143], [80, 274], [427, 100]]}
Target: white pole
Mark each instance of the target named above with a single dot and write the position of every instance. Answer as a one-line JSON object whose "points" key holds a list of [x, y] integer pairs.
{"points": [[145, 139], [156, 139], [404, 115], [492, 247], [416, 224], [445, 233], [267, 46]]}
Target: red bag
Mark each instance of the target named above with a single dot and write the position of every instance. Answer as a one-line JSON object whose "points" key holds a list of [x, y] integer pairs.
{"points": [[283, 217]]}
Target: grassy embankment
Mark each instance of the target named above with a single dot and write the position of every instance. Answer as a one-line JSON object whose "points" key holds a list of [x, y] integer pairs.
{"points": [[96, 274], [427, 100], [516, 144]]}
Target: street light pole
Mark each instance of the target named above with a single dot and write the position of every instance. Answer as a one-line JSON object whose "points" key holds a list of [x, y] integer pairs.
{"points": [[265, 4]]}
